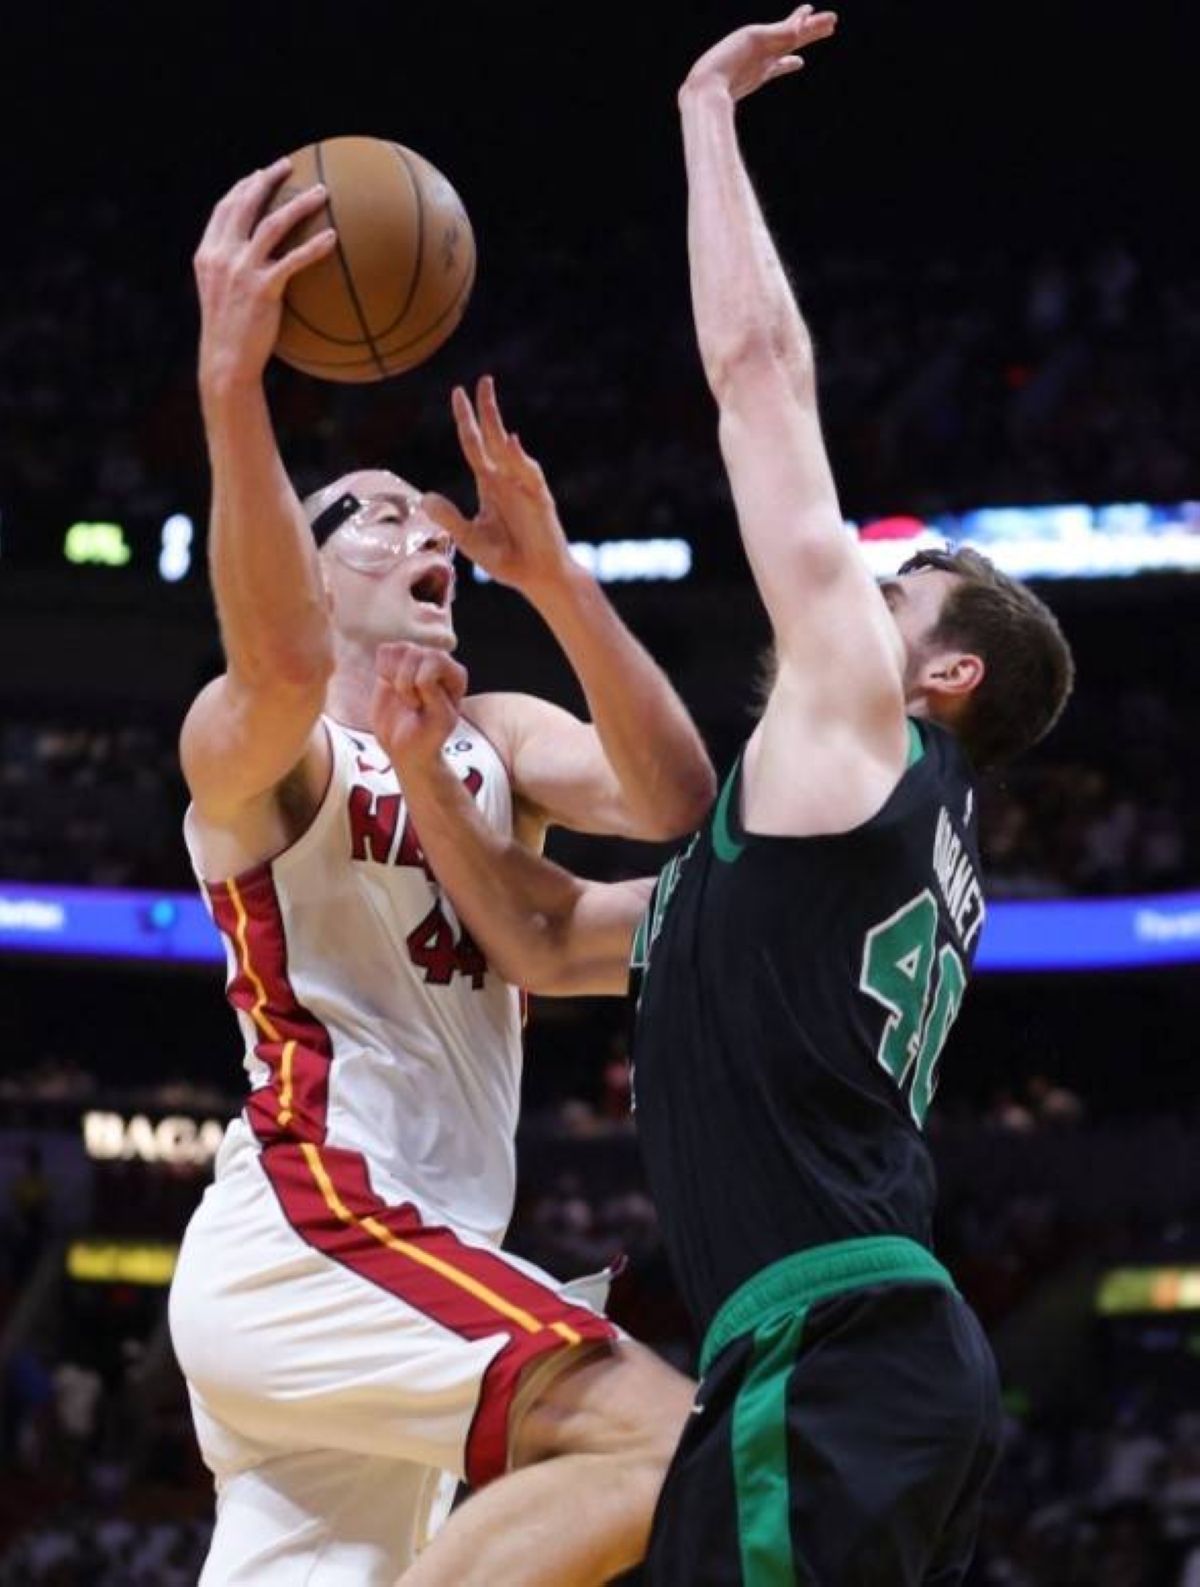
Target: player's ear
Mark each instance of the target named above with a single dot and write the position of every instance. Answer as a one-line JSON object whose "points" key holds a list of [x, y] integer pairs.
{"points": [[953, 673]]}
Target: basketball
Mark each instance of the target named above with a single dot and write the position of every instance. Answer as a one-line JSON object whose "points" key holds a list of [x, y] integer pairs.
{"points": [[400, 277]]}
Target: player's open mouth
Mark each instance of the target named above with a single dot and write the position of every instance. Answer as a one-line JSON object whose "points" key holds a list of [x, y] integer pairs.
{"points": [[434, 586]]}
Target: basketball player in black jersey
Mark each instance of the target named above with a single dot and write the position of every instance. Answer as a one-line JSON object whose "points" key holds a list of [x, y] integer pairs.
{"points": [[798, 965]]}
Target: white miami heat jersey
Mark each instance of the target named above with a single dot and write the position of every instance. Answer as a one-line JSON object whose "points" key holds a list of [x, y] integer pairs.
{"points": [[372, 1022]]}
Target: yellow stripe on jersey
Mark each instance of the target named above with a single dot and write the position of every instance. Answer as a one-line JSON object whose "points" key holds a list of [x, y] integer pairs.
{"points": [[464, 1281], [257, 1012], [285, 1084]]}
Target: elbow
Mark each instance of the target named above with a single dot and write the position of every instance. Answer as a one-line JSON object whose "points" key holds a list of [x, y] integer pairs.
{"points": [[700, 795], [295, 666], [514, 966], [683, 808], [753, 356], [532, 959], [680, 798], [304, 656], [306, 668]]}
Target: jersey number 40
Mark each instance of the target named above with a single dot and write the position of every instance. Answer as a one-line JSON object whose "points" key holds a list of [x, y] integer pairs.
{"points": [[922, 990]]}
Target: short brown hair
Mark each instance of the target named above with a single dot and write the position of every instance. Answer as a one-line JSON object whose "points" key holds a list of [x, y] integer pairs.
{"points": [[1028, 668]]}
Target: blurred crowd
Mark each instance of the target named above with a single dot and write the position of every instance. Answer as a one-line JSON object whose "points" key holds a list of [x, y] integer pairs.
{"points": [[1108, 1496], [1109, 804], [101, 1481], [1052, 374], [90, 802], [1099, 1483], [946, 383]]}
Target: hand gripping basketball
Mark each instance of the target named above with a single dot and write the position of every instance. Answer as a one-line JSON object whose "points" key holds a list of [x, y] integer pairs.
{"points": [[241, 280]]}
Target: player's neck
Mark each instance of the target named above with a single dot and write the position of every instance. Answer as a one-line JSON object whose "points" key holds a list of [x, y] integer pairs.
{"points": [[348, 694]]}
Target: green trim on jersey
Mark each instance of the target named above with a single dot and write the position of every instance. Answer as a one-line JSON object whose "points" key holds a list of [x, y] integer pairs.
{"points": [[638, 955], [725, 846], [728, 848]]}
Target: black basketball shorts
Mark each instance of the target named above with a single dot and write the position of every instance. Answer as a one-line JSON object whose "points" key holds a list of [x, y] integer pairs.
{"points": [[846, 1423]]}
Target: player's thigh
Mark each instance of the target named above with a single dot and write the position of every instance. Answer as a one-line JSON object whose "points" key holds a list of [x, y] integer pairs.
{"points": [[620, 1398], [323, 1516], [285, 1350], [694, 1537], [406, 1348], [891, 1424], [856, 1457], [956, 1546]]}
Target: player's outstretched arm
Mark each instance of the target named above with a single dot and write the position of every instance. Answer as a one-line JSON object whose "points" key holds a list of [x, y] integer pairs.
{"points": [[840, 658], [249, 728], [640, 768], [539, 926]]}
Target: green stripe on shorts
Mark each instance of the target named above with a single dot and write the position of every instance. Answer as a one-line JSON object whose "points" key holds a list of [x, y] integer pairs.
{"points": [[760, 1455], [771, 1307]]}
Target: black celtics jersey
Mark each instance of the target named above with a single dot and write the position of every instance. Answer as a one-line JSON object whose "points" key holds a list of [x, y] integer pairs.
{"points": [[792, 999]]}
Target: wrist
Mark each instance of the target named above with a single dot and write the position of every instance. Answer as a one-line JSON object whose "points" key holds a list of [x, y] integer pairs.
{"points": [[225, 378], [421, 766], [705, 91], [565, 583]]}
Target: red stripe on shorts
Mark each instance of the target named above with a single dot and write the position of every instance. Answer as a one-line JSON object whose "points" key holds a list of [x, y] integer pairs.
{"points": [[327, 1198]]}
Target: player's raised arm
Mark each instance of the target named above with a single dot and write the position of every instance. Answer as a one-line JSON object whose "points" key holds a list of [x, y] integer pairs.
{"points": [[640, 767], [840, 659], [539, 926], [251, 727]]}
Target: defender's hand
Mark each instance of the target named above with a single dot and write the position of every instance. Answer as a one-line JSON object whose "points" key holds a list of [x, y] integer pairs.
{"points": [[746, 59], [515, 535], [240, 281], [416, 700]]}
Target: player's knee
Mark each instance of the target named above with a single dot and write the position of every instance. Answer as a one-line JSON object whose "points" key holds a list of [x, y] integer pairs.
{"points": [[625, 1402], [658, 1419]]}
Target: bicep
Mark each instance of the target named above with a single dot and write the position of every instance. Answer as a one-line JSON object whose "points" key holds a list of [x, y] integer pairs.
{"points": [[558, 766], [237, 743]]}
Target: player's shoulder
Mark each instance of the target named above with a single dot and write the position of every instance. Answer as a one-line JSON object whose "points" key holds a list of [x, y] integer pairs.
{"points": [[507, 716], [492, 714], [493, 704], [496, 717]]}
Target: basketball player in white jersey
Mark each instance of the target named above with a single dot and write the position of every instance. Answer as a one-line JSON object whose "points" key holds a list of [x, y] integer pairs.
{"points": [[348, 1325]]}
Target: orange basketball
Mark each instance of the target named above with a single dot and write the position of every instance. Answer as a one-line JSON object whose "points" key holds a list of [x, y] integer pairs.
{"points": [[400, 277]]}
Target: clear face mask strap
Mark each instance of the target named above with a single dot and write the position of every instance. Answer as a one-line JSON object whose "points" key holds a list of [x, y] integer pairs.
{"points": [[330, 519]]}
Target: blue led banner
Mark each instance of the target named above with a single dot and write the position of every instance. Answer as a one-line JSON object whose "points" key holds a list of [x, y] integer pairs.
{"points": [[1091, 933], [106, 923], [1047, 542], [1054, 934]]}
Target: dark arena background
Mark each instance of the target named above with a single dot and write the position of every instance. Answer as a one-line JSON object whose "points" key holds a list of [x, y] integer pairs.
{"points": [[989, 215]]}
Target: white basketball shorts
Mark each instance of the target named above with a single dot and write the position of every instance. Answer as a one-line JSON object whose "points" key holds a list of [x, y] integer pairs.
{"points": [[347, 1363]]}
